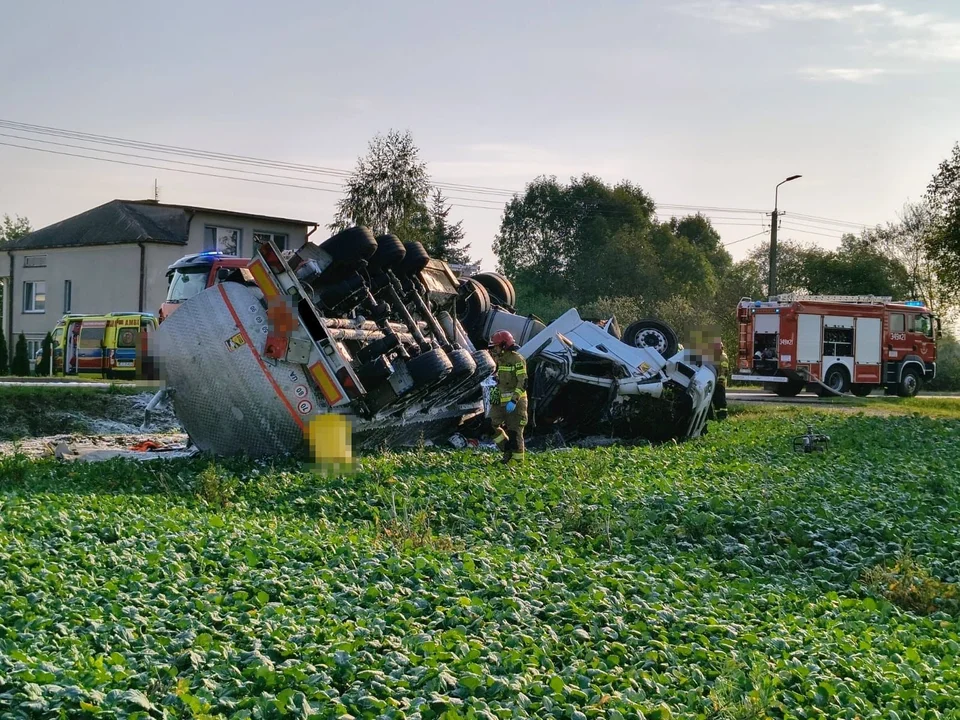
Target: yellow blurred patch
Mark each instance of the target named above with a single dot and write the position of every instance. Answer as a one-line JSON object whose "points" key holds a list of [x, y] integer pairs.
{"points": [[330, 443]]}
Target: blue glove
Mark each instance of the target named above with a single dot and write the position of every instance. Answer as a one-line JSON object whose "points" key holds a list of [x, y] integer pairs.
{"points": [[511, 406]]}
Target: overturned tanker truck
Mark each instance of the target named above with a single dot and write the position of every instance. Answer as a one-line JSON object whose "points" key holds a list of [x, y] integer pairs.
{"points": [[376, 330]]}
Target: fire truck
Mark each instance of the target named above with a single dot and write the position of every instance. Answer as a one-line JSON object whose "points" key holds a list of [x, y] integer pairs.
{"points": [[833, 344]]}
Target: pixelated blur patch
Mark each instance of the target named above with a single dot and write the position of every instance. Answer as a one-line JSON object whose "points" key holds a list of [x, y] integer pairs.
{"points": [[234, 341], [329, 437], [280, 315]]}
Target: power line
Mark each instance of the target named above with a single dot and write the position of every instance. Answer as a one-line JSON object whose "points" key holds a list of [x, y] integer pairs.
{"points": [[749, 237], [161, 167], [810, 232], [482, 192]]}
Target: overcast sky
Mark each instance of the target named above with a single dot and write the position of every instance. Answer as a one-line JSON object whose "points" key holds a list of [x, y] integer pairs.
{"points": [[700, 103]]}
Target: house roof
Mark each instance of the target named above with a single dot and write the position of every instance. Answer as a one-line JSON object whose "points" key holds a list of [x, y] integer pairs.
{"points": [[126, 221]]}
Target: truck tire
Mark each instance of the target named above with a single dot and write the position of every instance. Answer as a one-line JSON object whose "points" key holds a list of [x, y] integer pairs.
{"points": [[473, 304], [910, 382], [463, 364], [414, 261], [861, 389], [787, 389], [499, 288], [390, 252], [836, 378], [485, 364], [653, 334], [429, 368], [348, 247]]}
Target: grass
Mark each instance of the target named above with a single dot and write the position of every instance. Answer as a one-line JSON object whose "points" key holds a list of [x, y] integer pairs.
{"points": [[27, 411], [724, 578]]}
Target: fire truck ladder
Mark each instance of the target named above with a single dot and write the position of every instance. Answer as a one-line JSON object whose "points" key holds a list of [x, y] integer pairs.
{"points": [[859, 299]]}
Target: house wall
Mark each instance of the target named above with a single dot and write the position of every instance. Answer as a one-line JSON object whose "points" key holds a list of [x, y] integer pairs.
{"points": [[106, 278]]}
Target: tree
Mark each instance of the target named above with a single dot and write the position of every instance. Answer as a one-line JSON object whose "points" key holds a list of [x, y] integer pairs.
{"points": [[553, 236], [856, 268], [11, 229], [43, 367], [21, 363], [4, 352], [943, 197], [446, 239], [388, 190]]}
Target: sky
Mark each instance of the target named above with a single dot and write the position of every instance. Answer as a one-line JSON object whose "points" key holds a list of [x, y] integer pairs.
{"points": [[701, 103]]}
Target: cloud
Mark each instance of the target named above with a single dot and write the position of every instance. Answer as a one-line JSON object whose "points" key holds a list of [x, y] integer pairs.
{"points": [[893, 32], [855, 75]]}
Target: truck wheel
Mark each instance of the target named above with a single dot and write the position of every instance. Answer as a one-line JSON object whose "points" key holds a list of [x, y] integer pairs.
{"points": [[485, 364], [429, 368], [348, 247], [500, 289], [463, 364], [837, 379], [653, 334], [861, 389], [415, 260], [909, 383], [787, 389], [390, 251], [473, 303]]}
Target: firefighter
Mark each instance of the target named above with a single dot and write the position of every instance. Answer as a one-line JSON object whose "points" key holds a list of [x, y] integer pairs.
{"points": [[508, 400], [719, 401]]}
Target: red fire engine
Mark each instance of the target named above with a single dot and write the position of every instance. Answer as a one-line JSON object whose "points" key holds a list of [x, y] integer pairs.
{"points": [[836, 343]]}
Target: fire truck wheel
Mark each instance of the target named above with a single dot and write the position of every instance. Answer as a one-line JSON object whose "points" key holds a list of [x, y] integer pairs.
{"points": [[653, 334], [860, 389], [909, 383], [787, 389], [837, 379], [429, 368]]}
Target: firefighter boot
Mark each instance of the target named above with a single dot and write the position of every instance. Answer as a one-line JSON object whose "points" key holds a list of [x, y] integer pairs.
{"points": [[519, 447], [503, 442]]}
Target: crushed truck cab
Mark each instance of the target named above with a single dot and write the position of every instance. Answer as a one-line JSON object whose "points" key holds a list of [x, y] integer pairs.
{"points": [[369, 328]]}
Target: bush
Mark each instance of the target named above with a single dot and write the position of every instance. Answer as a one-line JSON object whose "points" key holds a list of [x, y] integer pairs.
{"points": [[43, 367], [948, 364], [911, 587], [21, 363]]}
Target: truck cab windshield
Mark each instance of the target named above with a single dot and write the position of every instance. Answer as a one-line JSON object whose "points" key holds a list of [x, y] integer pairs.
{"points": [[187, 282]]}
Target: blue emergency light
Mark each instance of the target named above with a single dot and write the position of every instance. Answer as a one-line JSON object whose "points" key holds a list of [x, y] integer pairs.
{"points": [[914, 303]]}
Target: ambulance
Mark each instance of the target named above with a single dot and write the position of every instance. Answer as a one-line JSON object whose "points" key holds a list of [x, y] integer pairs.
{"points": [[101, 346], [833, 344]]}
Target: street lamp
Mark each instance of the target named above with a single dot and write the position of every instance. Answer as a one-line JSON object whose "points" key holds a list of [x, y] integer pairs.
{"points": [[772, 284]]}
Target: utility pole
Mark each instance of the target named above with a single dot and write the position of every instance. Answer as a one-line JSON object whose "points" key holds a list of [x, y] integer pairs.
{"points": [[156, 191], [772, 283]]}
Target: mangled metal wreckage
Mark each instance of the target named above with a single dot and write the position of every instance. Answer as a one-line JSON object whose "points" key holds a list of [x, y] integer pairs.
{"points": [[375, 330]]}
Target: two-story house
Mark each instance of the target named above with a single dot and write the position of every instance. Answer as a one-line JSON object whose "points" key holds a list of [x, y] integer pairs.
{"points": [[114, 258]]}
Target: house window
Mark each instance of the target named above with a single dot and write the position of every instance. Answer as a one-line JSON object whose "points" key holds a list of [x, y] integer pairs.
{"points": [[896, 322], [67, 295], [34, 297], [226, 240], [279, 239], [34, 261]]}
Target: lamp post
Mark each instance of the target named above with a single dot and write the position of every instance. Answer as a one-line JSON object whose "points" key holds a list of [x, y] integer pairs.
{"points": [[772, 284]]}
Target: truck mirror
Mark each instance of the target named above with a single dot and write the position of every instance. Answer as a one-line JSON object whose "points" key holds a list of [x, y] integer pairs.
{"points": [[223, 274]]}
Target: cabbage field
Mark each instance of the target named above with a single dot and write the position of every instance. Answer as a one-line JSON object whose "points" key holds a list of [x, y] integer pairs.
{"points": [[728, 577]]}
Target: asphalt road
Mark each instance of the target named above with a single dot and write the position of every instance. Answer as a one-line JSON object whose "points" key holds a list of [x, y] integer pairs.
{"points": [[805, 398]]}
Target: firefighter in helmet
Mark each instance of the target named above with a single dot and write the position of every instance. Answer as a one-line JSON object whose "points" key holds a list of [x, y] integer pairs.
{"points": [[508, 400], [722, 366]]}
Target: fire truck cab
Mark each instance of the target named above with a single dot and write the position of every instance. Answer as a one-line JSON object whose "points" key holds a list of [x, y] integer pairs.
{"points": [[836, 344]]}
